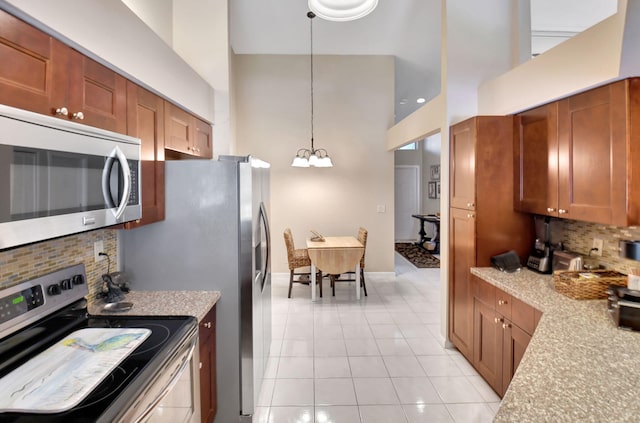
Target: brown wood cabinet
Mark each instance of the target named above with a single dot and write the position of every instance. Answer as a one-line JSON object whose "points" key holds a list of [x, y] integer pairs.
{"points": [[41, 74], [483, 222], [503, 326], [575, 160], [208, 385], [186, 134], [145, 120]]}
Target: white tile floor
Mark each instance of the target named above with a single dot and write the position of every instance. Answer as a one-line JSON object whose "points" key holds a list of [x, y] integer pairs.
{"points": [[377, 360]]}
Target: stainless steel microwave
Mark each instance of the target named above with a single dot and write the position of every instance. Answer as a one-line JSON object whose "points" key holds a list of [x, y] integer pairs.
{"points": [[58, 177]]}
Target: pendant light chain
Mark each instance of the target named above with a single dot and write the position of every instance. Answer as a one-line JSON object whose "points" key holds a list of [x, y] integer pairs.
{"points": [[311, 16]]}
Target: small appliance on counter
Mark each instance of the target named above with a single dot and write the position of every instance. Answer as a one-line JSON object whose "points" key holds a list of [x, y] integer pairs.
{"points": [[541, 256], [566, 260], [507, 262], [624, 306]]}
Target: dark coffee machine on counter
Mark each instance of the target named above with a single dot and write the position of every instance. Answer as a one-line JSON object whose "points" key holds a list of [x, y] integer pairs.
{"points": [[541, 256]]}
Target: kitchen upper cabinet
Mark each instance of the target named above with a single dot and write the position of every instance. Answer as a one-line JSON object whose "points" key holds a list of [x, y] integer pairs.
{"points": [[186, 134], [208, 384], [41, 74], [536, 164], [463, 164], [145, 120], [575, 157]]}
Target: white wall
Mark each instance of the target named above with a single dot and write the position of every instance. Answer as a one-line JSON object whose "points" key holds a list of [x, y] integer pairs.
{"points": [[109, 32], [157, 14], [353, 109]]}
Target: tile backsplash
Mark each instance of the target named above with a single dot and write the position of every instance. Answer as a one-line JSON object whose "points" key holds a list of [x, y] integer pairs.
{"points": [[27, 262], [578, 237]]}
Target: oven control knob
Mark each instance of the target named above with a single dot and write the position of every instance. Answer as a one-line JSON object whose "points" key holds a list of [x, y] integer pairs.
{"points": [[54, 289], [66, 284], [77, 279]]}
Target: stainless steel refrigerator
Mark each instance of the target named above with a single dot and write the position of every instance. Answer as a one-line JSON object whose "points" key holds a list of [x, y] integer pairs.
{"points": [[215, 236]]}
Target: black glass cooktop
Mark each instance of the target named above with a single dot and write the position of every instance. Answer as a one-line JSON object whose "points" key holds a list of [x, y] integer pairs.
{"points": [[120, 387]]}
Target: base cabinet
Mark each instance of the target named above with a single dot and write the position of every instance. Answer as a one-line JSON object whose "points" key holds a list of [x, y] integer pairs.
{"points": [[208, 385], [503, 326]]}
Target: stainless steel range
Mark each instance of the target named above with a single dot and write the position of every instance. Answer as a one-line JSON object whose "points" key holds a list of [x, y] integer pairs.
{"points": [[60, 364]]}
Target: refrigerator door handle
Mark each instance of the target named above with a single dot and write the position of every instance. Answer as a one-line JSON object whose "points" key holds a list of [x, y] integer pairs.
{"points": [[265, 224]]}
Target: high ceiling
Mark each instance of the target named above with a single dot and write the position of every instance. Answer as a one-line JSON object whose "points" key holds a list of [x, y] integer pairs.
{"points": [[410, 30]]}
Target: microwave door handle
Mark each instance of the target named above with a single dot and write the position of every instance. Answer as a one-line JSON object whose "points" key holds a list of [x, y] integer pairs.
{"points": [[116, 153]]}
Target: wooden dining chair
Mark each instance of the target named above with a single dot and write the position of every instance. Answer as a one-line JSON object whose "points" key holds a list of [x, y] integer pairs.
{"points": [[297, 259], [362, 237]]}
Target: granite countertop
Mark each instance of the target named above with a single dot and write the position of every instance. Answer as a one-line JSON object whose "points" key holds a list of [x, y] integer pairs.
{"points": [[167, 303], [578, 367]]}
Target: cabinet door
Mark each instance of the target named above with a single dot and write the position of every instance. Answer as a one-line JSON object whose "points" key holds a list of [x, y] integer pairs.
{"points": [[462, 258], [487, 344], [203, 139], [97, 95], [208, 385], [515, 342], [32, 71], [536, 161], [145, 120], [592, 155], [462, 165], [179, 129]]}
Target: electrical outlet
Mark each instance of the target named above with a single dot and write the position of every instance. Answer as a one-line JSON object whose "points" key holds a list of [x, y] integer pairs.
{"points": [[597, 247], [98, 247], [381, 209]]}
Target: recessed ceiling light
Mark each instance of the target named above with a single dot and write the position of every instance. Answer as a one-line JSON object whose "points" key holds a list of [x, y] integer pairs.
{"points": [[403, 101], [420, 100], [340, 10]]}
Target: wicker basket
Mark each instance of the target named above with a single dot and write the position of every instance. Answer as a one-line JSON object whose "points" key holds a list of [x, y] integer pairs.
{"points": [[587, 285]]}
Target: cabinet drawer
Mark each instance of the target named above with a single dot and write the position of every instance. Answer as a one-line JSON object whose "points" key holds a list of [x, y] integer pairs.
{"points": [[483, 291], [523, 315], [503, 303], [207, 326]]}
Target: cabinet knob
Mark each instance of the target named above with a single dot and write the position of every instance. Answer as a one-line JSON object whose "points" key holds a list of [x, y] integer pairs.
{"points": [[562, 211], [200, 365], [506, 326], [62, 111], [470, 204], [497, 320], [207, 325], [502, 302], [78, 116], [469, 215], [550, 209]]}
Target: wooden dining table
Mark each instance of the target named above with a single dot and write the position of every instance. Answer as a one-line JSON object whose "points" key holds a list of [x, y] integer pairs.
{"points": [[335, 255]]}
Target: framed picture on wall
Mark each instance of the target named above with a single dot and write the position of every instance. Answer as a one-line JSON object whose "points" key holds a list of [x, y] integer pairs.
{"points": [[438, 189], [435, 172], [433, 190]]}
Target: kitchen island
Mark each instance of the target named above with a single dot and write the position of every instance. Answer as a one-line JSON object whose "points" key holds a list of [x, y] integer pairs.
{"points": [[578, 366], [164, 303]]}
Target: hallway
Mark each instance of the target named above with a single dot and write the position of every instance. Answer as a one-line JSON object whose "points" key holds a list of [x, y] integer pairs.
{"points": [[379, 360]]}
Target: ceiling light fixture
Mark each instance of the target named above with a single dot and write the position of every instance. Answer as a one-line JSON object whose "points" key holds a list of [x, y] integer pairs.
{"points": [[421, 100], [313, 157], [342, 10]]}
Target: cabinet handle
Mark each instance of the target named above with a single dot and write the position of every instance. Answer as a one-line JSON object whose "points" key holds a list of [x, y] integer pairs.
{"points": [[62, 111], [501, 302], [207, 325], [497, 320], [200, 365], [78, 116], [550, 209], [469, 215], [470, 204], [506, 326], [562, 211]]}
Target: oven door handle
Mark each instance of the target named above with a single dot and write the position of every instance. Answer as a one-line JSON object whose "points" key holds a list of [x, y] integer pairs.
{"points": [[116, 154], [176, 376]]}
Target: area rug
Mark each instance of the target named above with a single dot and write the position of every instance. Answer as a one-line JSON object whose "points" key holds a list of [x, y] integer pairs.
{"points": [[416, 255]]}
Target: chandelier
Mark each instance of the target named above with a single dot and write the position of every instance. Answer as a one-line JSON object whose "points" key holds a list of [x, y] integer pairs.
{"points": [[315, 157]]}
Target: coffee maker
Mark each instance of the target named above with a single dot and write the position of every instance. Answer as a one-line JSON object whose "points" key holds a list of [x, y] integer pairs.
{"points": [[541, 255]]}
